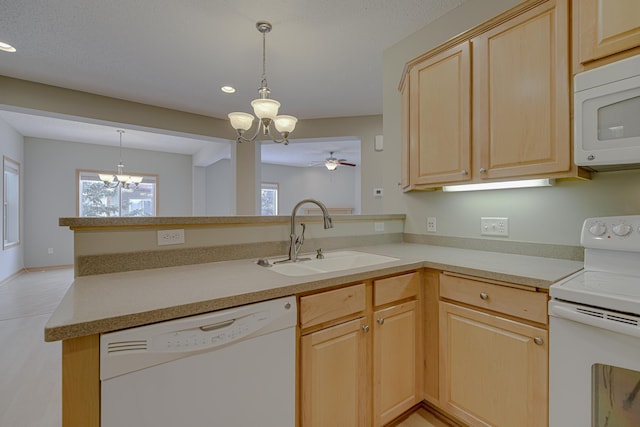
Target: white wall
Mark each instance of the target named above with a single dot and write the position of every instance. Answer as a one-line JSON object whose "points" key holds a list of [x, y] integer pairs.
{"points": [[50, 190], [11, 145], [336, 189], [219, 185]]}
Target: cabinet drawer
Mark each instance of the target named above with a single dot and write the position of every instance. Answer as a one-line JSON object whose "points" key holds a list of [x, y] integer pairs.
{"points": [[521, 303], [395, 288], [331, 305]]}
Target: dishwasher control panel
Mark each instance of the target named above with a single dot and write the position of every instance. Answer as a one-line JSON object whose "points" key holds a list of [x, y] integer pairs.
{"points": [[208, 336], [137, 348]]}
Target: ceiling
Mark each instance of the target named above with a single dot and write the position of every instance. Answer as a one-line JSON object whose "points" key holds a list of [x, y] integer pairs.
{"points": [[324, 57]]}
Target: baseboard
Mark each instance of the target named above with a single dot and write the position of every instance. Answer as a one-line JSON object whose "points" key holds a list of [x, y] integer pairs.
{"points": [[13, 276], [47, 268], [433, 410]]}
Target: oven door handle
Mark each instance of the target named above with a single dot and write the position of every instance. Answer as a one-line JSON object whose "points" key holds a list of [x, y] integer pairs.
{"points": [[608, 321]]}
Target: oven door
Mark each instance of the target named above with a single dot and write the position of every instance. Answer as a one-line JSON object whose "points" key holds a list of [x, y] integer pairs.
{"points": [[594, 367]]}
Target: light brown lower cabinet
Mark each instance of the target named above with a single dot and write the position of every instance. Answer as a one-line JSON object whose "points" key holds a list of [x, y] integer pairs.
{"points": [[395, 361], [363, 366], [334, 376], [493, 367]]}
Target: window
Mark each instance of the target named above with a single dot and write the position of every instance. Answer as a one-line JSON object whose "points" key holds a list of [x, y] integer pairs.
{"points": [[96, 200], [269, 198], [11, 203]]}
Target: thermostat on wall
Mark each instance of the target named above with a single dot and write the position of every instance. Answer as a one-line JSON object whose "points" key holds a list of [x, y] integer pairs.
{"points": [[377, 144]]}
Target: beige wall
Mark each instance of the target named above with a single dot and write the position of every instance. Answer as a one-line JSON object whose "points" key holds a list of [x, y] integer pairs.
{"points": [[19, 95], [22, 94]]}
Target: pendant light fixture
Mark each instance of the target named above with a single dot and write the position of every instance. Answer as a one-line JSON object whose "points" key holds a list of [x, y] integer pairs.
{"points": [[128, 182], [264, 108]]}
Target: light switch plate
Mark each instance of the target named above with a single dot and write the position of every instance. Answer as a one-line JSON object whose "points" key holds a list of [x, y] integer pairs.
{"points": [[494, 226]]}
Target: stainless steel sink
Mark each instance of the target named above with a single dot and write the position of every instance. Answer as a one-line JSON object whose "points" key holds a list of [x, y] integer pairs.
{"points": [[333, 261]]}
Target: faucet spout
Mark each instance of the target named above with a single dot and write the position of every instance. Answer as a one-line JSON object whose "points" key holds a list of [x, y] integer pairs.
{"points": [[296, 241]]}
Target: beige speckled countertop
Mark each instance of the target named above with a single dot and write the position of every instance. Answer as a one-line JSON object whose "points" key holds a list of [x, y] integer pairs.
{"points": [[108, 302]]}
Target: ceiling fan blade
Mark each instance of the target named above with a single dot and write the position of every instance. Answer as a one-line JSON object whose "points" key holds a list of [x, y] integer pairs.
{"points": [[346, 164]]}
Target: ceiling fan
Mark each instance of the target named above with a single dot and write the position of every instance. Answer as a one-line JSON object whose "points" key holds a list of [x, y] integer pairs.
{"points": [[332, 163]]}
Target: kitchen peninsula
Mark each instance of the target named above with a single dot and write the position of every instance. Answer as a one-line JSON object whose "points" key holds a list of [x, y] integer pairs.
{"points": [[123, 288]]}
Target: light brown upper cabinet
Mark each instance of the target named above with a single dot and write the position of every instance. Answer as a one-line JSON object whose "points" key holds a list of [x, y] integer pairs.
{"points": [[606, 27], [521, 109], [493, 104], [439, 117]]}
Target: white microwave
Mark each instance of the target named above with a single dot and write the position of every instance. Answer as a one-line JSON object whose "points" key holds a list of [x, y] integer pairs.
{"points": [[607, 116]]}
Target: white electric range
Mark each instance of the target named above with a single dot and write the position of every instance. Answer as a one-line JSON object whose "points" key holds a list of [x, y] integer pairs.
{"points": [[594, 354]]}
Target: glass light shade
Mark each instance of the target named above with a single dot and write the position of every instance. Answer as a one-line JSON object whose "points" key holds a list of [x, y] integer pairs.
{"points": [[105, 177], [285, 123], [265, 108], [136, 179], [331, 165], [241, 121], [123, 178]]}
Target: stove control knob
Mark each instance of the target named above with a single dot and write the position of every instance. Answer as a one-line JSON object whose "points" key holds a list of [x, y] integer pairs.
{"points": [[622, 229], [598, 229]]}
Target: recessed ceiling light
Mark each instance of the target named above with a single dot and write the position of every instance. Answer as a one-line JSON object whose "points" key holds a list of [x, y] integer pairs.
{"points": [[227, 89], [6, 47]]}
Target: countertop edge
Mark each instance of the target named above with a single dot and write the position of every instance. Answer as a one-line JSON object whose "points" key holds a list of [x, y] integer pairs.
{"points": [[67, 330]]}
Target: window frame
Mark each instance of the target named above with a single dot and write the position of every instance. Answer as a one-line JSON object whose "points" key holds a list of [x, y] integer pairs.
{"points": [[81, 172], [271, 186], [16, 170]]}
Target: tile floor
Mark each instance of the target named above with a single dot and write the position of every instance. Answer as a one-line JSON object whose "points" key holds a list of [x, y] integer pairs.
{"points": [[30, 368]]}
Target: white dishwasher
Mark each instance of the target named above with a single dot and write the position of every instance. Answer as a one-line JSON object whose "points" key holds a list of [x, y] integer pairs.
{"points": [[234, 367]]}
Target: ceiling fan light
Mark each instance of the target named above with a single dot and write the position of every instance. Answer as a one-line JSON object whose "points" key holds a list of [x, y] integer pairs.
{"points": [[265, 108], [331, 165], [285, 123], [241, 121]]}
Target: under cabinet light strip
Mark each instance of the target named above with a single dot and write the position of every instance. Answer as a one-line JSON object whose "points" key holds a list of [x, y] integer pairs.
{"points": [[501, 185]]}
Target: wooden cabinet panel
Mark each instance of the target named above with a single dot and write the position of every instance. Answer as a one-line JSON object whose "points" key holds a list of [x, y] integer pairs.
{"points": [[395, 361], [331, 305], [526, 304], [81, 381], [333, 380], [440, 117], [405, 180], [493, 373], [521, 95], [396, 288], [606, 27]]}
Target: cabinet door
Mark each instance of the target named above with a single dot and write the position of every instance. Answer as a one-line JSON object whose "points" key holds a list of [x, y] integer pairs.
{"points": [[395, 363], [493, 370], [521, 95], [439, 118], [405, 179], [607, 27], [334, 376]]}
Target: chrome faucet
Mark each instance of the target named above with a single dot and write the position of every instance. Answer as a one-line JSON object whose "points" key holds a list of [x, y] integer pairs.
{"points": [[297, 241]]}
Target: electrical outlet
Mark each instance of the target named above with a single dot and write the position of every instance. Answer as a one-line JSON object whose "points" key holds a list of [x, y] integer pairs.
{"points": [[378, 192], [378, 226], [170, 237], [493, 226], [431, 224]]}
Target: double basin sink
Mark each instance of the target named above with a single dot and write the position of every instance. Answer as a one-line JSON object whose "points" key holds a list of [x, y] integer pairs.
{"points": [[332, 261]]}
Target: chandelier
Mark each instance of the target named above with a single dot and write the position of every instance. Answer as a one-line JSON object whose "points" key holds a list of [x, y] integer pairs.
{"points": [[126, 181], [264, 108]]}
